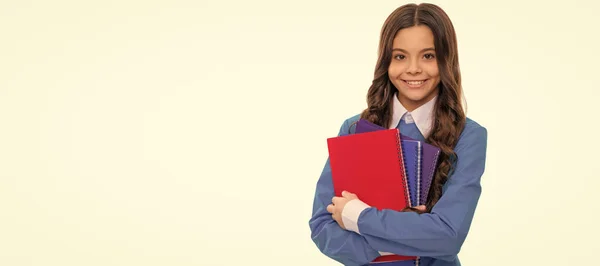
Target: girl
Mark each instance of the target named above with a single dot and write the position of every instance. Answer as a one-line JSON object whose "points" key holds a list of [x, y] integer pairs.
{"points": [[417, 89]]}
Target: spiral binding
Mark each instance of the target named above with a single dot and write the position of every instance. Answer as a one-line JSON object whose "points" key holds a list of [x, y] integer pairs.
{"points": [[404, 182], [417, 179], [419, 158]]}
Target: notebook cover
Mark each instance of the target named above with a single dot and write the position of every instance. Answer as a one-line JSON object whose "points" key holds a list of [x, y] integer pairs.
{"points": [[370, 166], [429, 164], [396, 262], [429, 157]]}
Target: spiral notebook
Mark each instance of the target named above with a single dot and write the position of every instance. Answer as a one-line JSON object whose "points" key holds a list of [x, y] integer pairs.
{"points": [[371, 166], [420, 162], [412, 163]]}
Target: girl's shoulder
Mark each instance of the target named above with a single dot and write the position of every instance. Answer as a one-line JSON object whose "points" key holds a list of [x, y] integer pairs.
{"points": [[348, 126], [471, 125], [472, 132]]}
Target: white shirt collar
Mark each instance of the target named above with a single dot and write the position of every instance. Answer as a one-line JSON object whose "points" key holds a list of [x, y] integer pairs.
{"points": [[422, 116]]}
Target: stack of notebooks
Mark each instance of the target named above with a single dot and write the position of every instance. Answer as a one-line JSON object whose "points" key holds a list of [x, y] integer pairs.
{"points": [[385, 169]]}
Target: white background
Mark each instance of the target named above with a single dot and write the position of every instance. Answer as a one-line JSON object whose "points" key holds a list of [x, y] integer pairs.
{"points": [[193, 133]]}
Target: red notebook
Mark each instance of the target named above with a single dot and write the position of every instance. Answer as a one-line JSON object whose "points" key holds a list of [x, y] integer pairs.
{"points": [[371, 166]]}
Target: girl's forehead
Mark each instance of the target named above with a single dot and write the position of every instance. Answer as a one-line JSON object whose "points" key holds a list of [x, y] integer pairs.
{"points": [[417, 37]]}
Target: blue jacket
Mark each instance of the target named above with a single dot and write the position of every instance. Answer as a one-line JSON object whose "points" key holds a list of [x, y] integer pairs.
{"points": [[436, 237]]}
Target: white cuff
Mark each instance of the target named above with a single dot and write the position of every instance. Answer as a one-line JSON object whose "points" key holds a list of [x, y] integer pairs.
{"points": [[350, 214], [385, 253]]}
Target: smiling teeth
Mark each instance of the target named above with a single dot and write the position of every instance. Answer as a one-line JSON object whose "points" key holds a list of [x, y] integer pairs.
{"points": [[415, 82]]}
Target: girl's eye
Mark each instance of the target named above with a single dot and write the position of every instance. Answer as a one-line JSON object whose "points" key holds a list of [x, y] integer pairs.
{"points": [[399, 57], [429, 56]]}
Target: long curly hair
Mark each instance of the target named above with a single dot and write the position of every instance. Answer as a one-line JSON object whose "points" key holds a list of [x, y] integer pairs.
{"points": [[449, 115]]}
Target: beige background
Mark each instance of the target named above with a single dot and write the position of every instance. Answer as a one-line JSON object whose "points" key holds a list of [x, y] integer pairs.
{"points": [[192, 133]]}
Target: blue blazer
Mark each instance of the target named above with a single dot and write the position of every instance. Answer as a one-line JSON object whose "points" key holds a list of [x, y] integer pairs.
{"points": [[436, 237]]}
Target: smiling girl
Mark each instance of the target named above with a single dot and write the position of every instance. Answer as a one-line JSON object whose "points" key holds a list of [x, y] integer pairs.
{"points": [[417, 89]]}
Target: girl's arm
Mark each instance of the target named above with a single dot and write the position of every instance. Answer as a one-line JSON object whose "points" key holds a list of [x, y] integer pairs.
{"points": [[441, 233], [341, 245]]}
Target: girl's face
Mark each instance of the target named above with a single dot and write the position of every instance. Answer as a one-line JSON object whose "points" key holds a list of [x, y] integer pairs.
{"points": [[413, 69]]}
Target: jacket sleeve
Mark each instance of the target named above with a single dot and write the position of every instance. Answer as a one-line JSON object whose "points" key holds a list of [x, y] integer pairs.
{"points": [[440, 233], [346, 247]]}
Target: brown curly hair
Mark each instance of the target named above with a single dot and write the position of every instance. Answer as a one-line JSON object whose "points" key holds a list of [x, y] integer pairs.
{"points": [[449, 115]]}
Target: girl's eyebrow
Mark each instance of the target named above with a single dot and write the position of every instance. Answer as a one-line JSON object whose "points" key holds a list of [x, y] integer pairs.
{"points": [[404, 51]]}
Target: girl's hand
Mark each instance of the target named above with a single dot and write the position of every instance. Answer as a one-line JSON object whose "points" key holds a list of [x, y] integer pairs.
{"points": [[337, 206], [421, 208]]}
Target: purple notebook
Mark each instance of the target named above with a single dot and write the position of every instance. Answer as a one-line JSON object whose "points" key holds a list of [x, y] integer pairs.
{"points": [[417, 153], [412, 155]]}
